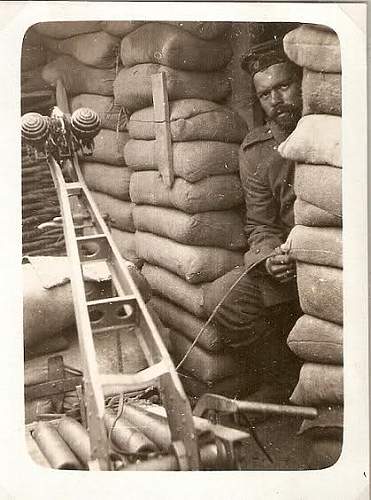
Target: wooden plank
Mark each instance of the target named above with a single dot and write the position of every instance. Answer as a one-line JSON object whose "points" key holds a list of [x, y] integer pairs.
{"points": [[163, 147], [61, 98]]}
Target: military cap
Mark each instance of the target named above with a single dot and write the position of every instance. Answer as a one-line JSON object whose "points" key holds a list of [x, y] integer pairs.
{"points": [[263, 55]]}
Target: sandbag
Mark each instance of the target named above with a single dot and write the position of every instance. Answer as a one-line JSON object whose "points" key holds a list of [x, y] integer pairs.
{"points": [[195, 264], [316, 340], [191, 120], [120, 212], [66, 29], [205, 366], [192, 160], [33, 52], [97, 49], [321, 93], [317, 245], [220, 192], [321, 291], [320, 185], [203, 29], [187, 324], [32, 80], [109, 147], [77, 78], [171, 46], [107, 179], [126, 245], [177, 290], [46, 312], [120, 28], [308, 214], [316, 139], [219, 229], [314, 48], [234, 387], [319, 384], [133, 86], [112, 116]]}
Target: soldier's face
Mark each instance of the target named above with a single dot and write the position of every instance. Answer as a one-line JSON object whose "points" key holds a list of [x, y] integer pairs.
{"points": [[279, 91]]}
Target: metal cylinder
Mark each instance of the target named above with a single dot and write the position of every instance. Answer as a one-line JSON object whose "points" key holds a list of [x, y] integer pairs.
{"points": [[276, 409], [35, 452], [54, 448], [208, 457], [154, 427], [77, 438], [126, 435]]}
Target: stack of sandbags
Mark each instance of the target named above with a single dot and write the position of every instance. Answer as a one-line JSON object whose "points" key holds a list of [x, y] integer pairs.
{"points": [[189, 234], [39, 205], [316, 241], [87, 60]]}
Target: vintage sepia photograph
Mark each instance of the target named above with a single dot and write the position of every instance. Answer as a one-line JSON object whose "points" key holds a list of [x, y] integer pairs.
{"points": [[184, 248]]}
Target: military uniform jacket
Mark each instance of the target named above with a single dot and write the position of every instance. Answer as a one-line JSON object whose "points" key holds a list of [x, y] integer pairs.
{"points": [[267, 180]]}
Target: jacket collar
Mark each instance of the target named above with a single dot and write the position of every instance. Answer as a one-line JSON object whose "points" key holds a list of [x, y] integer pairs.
{"points": [[278, 133]]}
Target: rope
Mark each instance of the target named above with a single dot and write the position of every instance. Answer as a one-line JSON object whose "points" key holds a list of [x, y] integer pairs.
{"points": [[217, 307]]}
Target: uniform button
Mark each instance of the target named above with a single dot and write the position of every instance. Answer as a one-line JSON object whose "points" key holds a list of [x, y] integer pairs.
{"points": [[257, 250]]}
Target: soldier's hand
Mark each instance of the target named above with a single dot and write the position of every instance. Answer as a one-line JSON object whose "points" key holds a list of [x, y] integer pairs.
{"points": [[281, 266]]}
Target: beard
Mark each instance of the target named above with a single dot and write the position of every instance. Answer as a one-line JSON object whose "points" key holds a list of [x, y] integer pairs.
{"points": [[286, 116]]}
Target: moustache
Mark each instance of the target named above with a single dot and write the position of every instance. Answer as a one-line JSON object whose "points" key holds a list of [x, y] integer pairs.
{"points": [[284, 108]]}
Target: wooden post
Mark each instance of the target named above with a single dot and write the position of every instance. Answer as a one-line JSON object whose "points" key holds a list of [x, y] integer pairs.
{"points": [[163, 148]]}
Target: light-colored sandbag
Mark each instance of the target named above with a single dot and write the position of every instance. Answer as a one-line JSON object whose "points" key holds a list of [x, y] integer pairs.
{"points": [[220, 192], [316, 139], [119, 211], [320, 185], [194, 264], [319, 385], [171, 46], [321, 93], [77, 78], [46, 312], [120, 28], [192, 120], [313, 339], [133, 86], [126, 245], [171, 287], [308, 214], [66, 29], [107, 179], [314, 48], [97, 49], [219, 228], [321, 291], [112, 116], [109, 147], [189, 325], [317, 245], [192, 160]]}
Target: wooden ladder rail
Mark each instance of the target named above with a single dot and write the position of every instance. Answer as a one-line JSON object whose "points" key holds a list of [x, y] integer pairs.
{"points": [[161, 371]]}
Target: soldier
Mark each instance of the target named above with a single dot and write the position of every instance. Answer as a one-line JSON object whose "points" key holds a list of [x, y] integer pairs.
{"points": [[252, 311]]}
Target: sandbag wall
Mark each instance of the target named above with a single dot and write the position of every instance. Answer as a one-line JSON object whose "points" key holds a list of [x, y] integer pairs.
{"points": [[191, 233], [316, 240], [87, 62]]}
